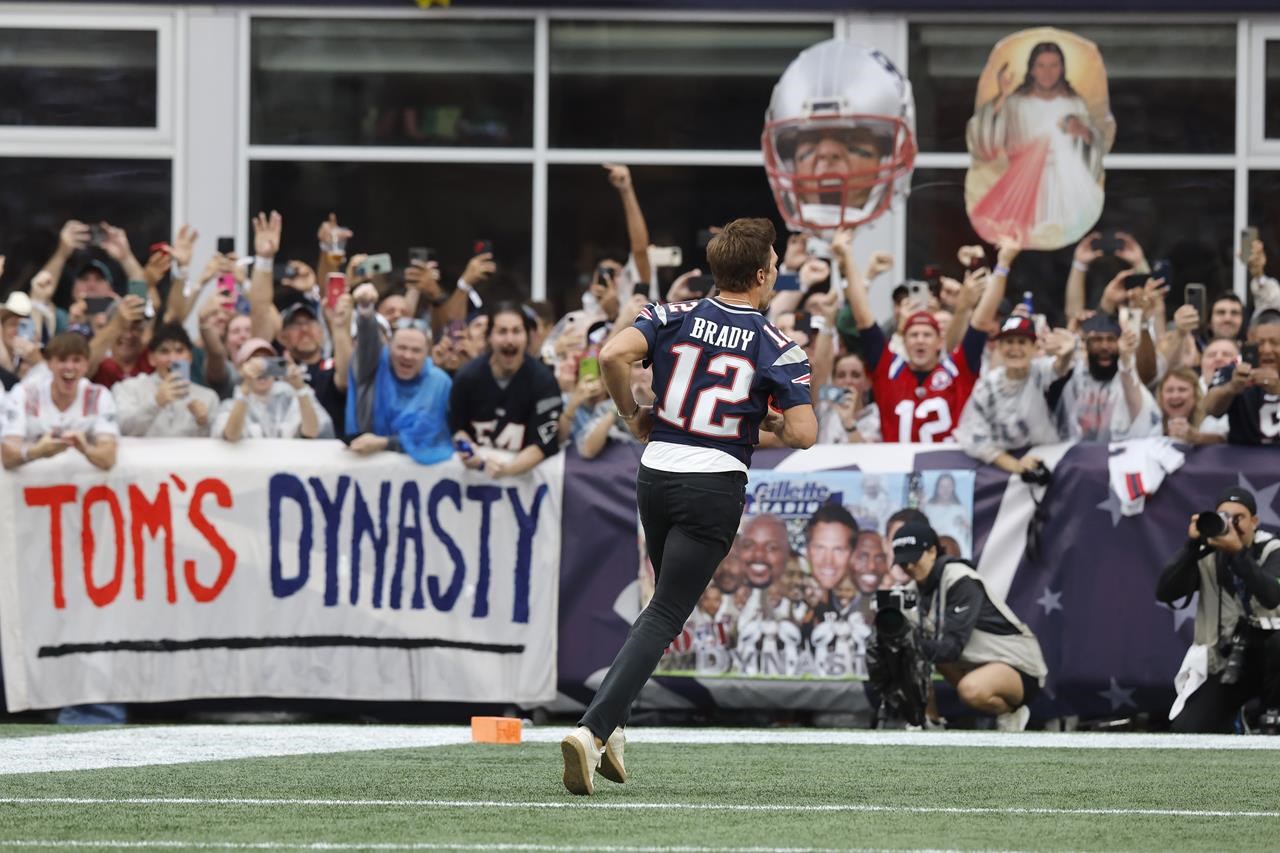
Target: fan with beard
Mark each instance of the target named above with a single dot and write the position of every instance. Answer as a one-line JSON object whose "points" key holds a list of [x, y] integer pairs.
{"points": [[1093, 405]]}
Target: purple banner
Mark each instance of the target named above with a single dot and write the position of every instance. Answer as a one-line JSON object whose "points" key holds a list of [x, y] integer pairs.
{"points": [[1090, 597]]}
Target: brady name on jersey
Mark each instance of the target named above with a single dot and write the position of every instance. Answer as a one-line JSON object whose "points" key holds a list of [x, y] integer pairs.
{"points": [[716, 369]]}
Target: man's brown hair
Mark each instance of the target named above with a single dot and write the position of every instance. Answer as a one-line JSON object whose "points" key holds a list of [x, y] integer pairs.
{"points": [[739, 251], [66, 345]]}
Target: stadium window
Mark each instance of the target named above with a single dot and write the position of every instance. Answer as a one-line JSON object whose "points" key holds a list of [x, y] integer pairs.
{"points": [[101, 78], [1264, 213], [585, 219], [391, 82], [446, 206], [1172, 87], [37, 195], [1183, 216], [628, 84]]}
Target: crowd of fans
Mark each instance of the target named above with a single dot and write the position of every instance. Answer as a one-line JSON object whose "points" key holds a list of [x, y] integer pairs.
{"points": [[395, 359]]}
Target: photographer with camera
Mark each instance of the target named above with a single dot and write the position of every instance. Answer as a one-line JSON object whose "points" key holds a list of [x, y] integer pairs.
{"points": [[971, 636], [1236, 569]]}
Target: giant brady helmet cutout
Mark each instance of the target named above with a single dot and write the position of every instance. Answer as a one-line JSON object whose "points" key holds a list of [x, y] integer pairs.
{"points": [[839, 137]]}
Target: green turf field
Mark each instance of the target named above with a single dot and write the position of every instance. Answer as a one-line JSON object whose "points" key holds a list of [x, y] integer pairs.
{"points": [[680, 797]]}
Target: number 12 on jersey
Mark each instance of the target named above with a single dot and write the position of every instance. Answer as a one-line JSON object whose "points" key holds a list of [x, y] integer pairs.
{"points": [[690, 374], [930, 429]]}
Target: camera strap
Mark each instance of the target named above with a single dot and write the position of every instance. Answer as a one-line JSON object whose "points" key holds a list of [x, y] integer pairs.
{"points": [[1036, 525]]}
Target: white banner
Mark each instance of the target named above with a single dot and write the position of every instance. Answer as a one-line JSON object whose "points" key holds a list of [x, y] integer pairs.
{"points": [[200, 569]]}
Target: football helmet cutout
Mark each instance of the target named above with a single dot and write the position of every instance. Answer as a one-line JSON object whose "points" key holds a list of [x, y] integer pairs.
{"points": [[839, 137]]}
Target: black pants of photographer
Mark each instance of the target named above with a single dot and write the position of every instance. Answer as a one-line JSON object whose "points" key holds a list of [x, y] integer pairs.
{"points": [[1212, 708], [689, 523]]}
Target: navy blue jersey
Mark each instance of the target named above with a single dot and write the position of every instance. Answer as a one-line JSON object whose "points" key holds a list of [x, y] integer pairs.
{"points": [[716, 368]]}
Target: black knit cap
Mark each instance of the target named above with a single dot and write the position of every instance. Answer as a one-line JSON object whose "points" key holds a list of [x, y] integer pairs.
{"points": [[1235, 494]]}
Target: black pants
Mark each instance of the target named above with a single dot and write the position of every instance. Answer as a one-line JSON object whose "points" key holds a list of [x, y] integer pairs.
{"points": [[689, 523], [1213, 707]]}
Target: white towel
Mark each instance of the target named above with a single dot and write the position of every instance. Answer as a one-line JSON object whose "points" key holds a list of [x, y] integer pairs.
{"points": [[1138, 467], [1194, 672]]}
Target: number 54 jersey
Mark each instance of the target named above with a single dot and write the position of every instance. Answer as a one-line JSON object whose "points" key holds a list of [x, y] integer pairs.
{"points": [[717, 368]]}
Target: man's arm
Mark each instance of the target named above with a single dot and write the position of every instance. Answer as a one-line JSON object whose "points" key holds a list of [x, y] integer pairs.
{"points": [[855, 289], [963, 604], [799, 428], [1175, 344], [74, 235], [824, 349], [1128, 374], [590, 445], [1218, 400], [310, 426], [16, 452], [1085, 254], [637, 228], [984, 316], [180, 251], [212, 323], [970, 293], [1061, 345], [116, 244], [101, 451], [233, 430], [1150, 301], [266, 242], [1181, 578], [1262, 580], [619, 353], [128, 311], [368, 338], [526, 460]]}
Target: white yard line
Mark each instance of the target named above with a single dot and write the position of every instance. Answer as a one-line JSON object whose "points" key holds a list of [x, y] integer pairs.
{"points": [[986, 740], [155, 745], [335, 845], [597, 805], [151, 745]]}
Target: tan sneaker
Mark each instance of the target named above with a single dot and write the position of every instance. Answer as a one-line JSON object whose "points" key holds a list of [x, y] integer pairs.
{"points": [[581, 758], [611, 766]]}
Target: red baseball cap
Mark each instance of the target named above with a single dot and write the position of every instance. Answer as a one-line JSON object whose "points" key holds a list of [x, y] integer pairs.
{"points": [[922, 317]]}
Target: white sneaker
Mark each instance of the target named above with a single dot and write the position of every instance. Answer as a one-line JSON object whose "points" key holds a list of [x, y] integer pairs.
{"points": [[1014, 721], [611, 766], [581, 758]]}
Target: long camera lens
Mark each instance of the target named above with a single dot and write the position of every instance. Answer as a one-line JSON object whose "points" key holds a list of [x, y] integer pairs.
{"points": [[1210, 524], [892, 624]]}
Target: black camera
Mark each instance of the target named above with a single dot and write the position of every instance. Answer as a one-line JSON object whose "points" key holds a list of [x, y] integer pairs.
{"points": [[896, 668], [891, 621], [1235, 650], [1212, 524], [1037, 476]]}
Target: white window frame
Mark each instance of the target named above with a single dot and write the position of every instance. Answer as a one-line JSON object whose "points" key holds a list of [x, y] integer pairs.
{"points": [[1261, 32], [1238, 162], [162, 142], [104, 142], [540, 155]]}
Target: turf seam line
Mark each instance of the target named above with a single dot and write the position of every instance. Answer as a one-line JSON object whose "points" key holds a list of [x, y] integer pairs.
{"points": [[629, 806]]}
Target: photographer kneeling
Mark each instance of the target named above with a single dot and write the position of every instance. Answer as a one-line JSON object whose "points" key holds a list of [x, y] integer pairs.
{"points": [[971, 636], [1236, 569]]}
